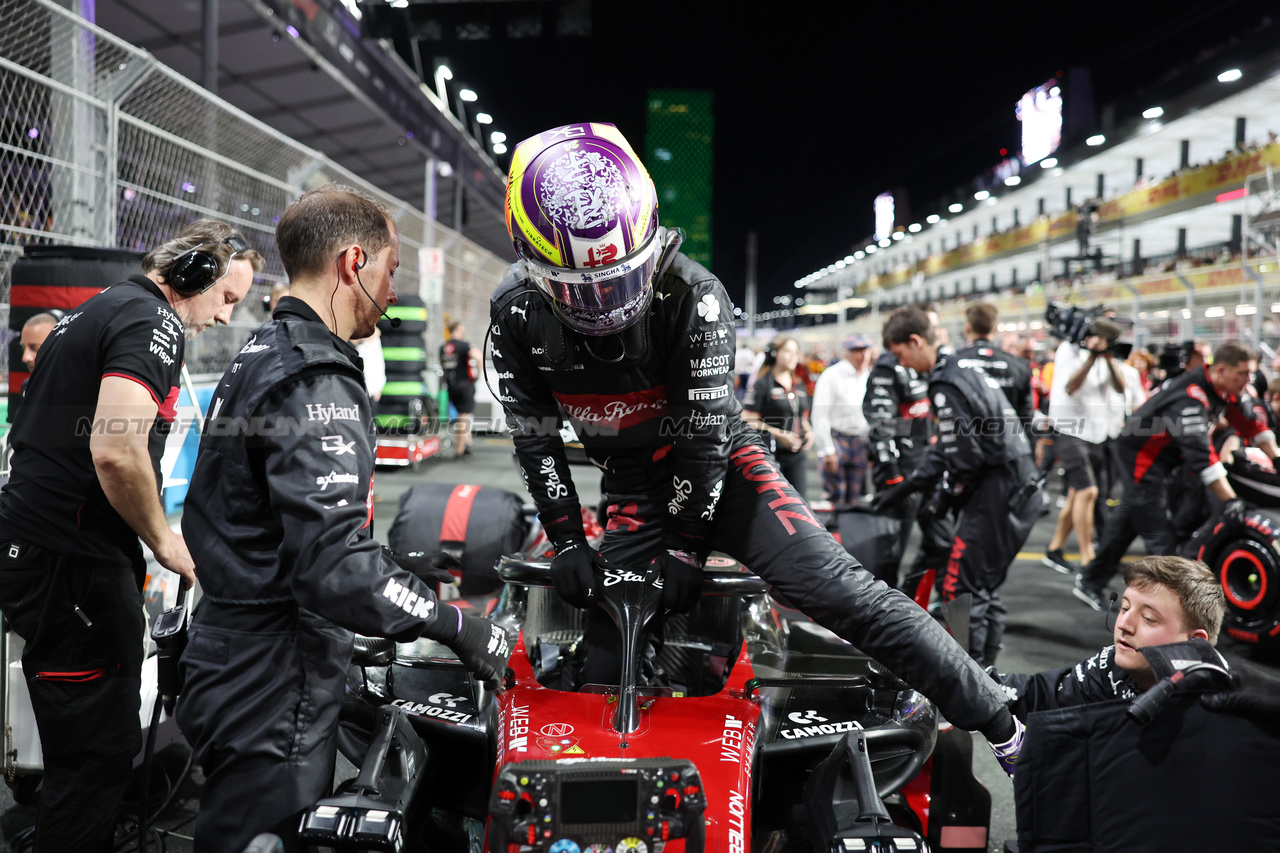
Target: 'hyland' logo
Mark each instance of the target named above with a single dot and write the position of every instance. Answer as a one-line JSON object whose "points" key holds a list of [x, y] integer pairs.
{"points": [[331, 412]]}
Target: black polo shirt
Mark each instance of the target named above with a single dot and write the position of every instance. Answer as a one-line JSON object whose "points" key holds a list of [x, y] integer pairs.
{"points": [[53, 497]]}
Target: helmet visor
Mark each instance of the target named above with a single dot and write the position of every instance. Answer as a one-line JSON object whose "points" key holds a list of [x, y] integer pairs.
{"points": [[604, 300]]}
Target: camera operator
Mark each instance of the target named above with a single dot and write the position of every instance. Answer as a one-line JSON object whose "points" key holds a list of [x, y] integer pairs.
{"points": [[1088, 386], [87, 445], [279, 520], [983, 453], [1173, 426], [1012, 373], [648, 375]]}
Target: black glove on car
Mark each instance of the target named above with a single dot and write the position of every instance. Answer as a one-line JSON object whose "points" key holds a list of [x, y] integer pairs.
{"points": [[572, 573], [893, 495], [681, 579], [482, 646], [1233, 512], [1256, 697], [433, 569]]}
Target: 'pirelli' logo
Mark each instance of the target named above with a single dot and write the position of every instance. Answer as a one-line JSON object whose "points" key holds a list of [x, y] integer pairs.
{"points": [[709, 393]]}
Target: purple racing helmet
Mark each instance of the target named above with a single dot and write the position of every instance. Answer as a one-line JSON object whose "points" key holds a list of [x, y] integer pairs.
{"points": [[583, 215]]}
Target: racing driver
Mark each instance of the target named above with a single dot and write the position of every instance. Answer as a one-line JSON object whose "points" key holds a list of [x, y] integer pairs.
{"points": [[604, 318]]}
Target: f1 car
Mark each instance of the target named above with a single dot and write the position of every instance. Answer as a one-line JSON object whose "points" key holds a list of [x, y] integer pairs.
{"points": [[730, 729]]}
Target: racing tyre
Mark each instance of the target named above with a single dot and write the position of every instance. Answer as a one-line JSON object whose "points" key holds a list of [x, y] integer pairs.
{"points": [[1247, 563]]}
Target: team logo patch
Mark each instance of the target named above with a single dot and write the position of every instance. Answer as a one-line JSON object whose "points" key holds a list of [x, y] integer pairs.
{"points": [[709, 308], [1196, 393]]}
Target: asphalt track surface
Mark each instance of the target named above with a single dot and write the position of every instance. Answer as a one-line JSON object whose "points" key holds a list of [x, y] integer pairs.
{"points": [[1047, 628]]}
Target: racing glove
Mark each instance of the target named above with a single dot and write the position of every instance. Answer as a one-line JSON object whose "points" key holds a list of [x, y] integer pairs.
{"points": [[573, 573], [1007, 753], [1256, 696], [681, 579], [434, 569], [890, 497], [1233, 513], [482, 646]]}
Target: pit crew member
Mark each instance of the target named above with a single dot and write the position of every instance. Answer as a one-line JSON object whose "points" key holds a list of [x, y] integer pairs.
{"points": [[1166, 600], [279, 520], [983, 452], [84, 487], [604, 317], [1011, 372], [1169, 428], [897, 410]]}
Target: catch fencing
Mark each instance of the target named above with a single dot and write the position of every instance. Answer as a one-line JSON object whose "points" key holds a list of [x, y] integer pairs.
{"points": [[101, 145]]}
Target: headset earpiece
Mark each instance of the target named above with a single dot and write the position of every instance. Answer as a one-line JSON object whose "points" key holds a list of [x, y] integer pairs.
{"points": [[196, 270]]}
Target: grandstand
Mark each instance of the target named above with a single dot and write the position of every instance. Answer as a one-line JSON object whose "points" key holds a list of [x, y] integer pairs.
{"points": [[1178, 242]]}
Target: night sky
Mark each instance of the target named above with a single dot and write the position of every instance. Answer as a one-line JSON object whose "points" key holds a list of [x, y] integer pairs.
{"points": [[819, 106]]}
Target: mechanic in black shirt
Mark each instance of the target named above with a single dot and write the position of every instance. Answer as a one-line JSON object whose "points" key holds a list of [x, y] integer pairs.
{"points": [[604, 318], [458, 360], [1011, 372], [278, 519], [84, 486], [982, 452]]}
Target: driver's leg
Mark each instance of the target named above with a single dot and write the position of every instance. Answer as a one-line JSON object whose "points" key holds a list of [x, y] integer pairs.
{"points": [[766, 525]]}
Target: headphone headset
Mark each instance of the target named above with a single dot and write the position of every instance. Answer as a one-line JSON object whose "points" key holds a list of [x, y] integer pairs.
{"points": [[196, 270]]}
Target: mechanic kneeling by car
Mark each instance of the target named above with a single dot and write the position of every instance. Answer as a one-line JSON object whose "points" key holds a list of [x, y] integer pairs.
{"points": [[604, 317], [278, 521], [1166, 600]]}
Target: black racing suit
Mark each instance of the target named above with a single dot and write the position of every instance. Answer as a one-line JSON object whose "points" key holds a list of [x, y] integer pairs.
{"points": [[896, 407], [1172, 426], [983, 451], [683, 470], [1012, 373], [278, 521], [1097, 679], [71, 569]]}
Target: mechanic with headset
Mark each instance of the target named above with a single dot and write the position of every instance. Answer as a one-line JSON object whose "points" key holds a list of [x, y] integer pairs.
{"points": [[983, 453], [1172, 427], [605, 318], [897, 409], [87, 445], [278, 519]]}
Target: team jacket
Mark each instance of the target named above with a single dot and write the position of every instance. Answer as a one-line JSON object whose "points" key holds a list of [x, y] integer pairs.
{"points": [[1173, 425], [977, 427], [281, 499], [1094, 680], [1012, 373], [664, 418], [896, 407]]}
